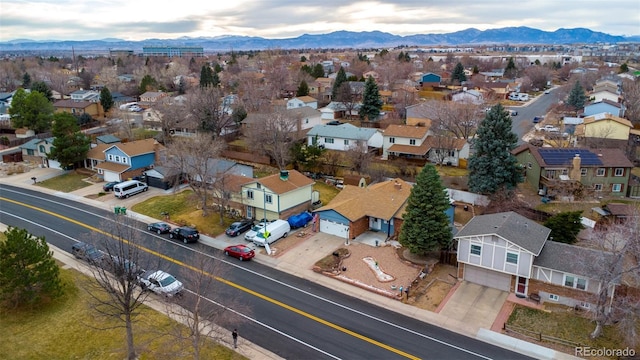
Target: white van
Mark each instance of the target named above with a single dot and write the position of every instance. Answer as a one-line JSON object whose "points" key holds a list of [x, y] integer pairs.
{"points": [[274, 231], [128, 188]]}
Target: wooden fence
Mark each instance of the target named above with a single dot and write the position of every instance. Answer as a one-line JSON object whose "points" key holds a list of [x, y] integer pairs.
{"points": [[539, 336]]}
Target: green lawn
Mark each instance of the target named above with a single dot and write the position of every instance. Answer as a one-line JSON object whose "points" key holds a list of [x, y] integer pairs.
{"points": [[182, 211], [66, 183], [69, 329], [327, 192], [562, 322]]}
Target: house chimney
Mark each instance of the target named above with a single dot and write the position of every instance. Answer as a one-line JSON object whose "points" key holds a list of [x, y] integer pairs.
{"points": [[397, 185], [574, 174], [284, 175]]}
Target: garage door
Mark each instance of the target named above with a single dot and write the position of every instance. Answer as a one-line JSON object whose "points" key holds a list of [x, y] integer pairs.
{"points": [[333, 228], [490, 278], [54, 164]]}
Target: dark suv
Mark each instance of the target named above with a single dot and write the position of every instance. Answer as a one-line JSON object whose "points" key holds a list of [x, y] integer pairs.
{"points": [[185, 233], [87, 252], [239, 227]]}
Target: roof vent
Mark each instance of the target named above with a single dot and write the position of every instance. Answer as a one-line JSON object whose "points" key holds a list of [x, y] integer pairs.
{"points": [[284, 175]]}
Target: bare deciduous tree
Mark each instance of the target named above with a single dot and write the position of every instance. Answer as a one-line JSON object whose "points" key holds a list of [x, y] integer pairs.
{"points": [[358, 156], [208, 108], [617, 267], [458, 118], [196, 158], [203, 317], [632, 100], [115, 293], [274, 137]]}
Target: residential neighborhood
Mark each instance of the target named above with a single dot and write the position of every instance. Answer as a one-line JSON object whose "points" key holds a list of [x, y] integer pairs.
{"points": [[412, 155]]}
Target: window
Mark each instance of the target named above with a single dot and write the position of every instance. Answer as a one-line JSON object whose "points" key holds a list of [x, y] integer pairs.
{"points": [[125, 160], [600, 172], [616, 187], [529, 165], [412, 141], [584, 305], [328, 140], [392, 140], [306, 121], [30, 152], [268, 198], [476, 250], [512, 258], [110, 157], [250, 194], [575, 282], [597, 187], [583, 171], [618, 172], [346, 142], [554, 297], [117, 158], [42, 150]]}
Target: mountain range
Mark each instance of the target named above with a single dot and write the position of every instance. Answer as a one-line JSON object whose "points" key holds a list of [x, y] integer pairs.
{"points": [[338, 39]]}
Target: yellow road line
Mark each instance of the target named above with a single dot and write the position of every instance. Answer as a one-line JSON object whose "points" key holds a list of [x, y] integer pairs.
{"points": [[222, 280]]}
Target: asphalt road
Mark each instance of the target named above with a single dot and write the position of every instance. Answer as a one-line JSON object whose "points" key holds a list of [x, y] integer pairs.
{"points": [[292, 317], [523, 122]]}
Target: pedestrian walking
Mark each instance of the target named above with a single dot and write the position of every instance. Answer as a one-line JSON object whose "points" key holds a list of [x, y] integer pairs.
{"points": [[406, 290], [234, 335]]}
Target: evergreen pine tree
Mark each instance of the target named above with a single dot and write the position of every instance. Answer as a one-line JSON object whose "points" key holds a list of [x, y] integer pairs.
{"points": [[510, 72], [318, 71], [341, 78], [492, 167], [577, 98], [70, 145], [215, 79], [458, 75], [206, 76], [43, 88], [26, 81], [371, 102], [106, 100], [565, 226], [623, 68], [28, 272], [426, 227], [303, 89]]}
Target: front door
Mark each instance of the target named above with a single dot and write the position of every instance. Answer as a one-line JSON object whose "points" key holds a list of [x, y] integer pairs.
{"points": [[521, 286], [249, 212]]}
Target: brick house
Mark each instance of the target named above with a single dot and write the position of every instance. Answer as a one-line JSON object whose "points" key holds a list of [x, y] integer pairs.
{"points": [[511, 253]]}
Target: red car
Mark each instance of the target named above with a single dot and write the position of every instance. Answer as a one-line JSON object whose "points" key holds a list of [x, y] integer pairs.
{"points": [[241, 252]]}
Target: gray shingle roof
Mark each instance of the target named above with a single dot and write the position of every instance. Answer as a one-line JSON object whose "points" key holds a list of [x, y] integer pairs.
{"points": [[343, 131], [511, 226], [572, 259]]}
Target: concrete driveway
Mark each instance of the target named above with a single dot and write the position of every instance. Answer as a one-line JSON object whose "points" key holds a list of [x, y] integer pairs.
{"points": [[474, 305]]}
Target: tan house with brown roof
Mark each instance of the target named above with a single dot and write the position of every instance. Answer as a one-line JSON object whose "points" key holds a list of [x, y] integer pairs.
{"points": [[406, 140], [356, 210], [276, 196], [604, 126], [78, 107]]}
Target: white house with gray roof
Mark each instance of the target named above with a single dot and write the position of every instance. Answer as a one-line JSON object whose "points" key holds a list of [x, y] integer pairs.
{"points": [[510, 252], [344, 137]]}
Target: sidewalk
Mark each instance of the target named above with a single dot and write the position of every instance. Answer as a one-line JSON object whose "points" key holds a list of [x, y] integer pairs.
{"points": [[299, 261]]}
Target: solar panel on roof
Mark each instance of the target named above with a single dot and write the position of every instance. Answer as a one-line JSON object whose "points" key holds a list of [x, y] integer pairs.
{"points": [[565, 156]]}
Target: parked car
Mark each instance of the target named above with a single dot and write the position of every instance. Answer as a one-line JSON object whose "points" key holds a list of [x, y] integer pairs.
{"points": [[254, 231], [160, 282], [299, 220], [109, 186], [122, 267], [185, 233], [159, 227], [550, 128], [239, 227], [241, 252], [513, 113], [87, 252], [548, 91], [129, 188], [537, 119]]}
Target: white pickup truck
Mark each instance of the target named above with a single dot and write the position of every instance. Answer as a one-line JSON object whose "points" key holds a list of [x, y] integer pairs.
{"points": [[550, 128]]}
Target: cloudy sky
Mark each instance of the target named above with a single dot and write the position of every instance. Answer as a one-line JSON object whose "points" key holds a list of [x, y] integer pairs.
{"points": [[164, 19]]}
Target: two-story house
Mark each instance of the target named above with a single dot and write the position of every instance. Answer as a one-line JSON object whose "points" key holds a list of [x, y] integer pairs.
{"points": [[276, 196], [37, 150], [301, 101], [151, 97], [430, 80], [405, 141], [81, 102], [559, 171], [604, 129], [344, 137], [509, 252], [121, 161]]}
